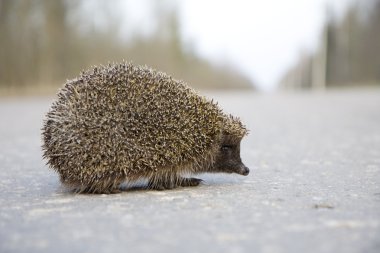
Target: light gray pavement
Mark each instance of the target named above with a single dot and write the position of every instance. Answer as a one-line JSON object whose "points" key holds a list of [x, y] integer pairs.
{"points": [[314, 186]]}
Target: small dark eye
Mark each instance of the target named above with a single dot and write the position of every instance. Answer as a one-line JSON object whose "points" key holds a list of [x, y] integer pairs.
{"points": [[226, 147]]}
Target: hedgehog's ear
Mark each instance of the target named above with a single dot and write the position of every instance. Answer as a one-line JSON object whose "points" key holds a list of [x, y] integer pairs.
{"points": [[234, 126], [230, 139]]}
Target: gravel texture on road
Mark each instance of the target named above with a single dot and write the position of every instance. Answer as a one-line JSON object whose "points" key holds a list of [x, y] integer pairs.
{"points": [[314, 186]]}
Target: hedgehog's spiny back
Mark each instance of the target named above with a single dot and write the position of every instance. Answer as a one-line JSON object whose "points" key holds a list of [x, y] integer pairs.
{"points": [[123, 120]]}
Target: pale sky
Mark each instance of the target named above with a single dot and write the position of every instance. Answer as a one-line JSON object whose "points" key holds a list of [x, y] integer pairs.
{"points": [[262, 39]]}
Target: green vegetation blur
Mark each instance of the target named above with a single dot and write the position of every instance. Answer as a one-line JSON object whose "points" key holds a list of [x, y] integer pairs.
{"points": [[348, 53], [43, 43]]}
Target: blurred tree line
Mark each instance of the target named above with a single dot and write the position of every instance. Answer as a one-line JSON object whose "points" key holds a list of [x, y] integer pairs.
{"points": [[349, 52], [45, 42]]}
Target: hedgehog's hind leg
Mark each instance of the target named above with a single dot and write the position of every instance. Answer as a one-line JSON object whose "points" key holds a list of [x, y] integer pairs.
{"points": [[95, 189], [104, 186]]}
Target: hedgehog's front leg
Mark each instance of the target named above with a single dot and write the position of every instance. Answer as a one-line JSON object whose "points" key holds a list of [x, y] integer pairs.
{"points": [[190, 181], [165, 183], [161, 183]]}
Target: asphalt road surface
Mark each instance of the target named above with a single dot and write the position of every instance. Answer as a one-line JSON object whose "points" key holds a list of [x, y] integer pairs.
{"points": [[314, 186]]}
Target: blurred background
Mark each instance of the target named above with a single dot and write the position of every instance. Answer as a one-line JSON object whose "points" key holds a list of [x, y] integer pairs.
{"points": [[257, 45]]}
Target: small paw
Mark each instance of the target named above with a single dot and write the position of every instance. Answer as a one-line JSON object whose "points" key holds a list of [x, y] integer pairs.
{"points": [[191, 182]]}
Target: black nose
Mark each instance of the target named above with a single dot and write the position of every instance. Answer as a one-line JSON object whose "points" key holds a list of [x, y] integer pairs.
{"points": [[245, 171]]}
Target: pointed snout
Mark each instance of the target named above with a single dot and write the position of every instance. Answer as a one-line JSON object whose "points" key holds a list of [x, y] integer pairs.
{"points": [[243, 170]]}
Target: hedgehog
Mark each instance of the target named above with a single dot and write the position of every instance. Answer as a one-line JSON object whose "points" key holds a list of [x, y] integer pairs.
{"points": [[122, 123]]}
